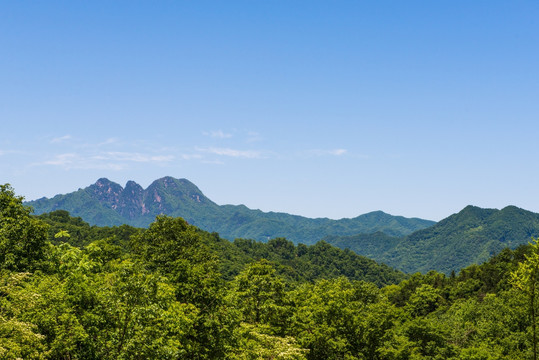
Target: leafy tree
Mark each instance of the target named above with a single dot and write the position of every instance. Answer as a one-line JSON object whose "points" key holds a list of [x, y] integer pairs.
{"points": [[19, 339], [340, 319], [140, 317], [255, 344], [420, 338], [259, 294], [424, 300], [173, 248], [497, 322], [22, 238]]}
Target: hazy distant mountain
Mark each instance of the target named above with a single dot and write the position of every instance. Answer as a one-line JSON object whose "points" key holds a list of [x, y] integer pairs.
{"points": [[469, 237], [106, 203]]}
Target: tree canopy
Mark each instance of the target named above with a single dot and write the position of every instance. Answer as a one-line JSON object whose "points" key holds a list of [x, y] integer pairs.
{"points": [[172, 291]]}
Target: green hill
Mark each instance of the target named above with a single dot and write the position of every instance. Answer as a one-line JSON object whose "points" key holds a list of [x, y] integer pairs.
{"points": [[469, 237]]}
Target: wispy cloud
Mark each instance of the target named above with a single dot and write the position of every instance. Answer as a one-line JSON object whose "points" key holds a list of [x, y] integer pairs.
{"points": [[337, 152], [134, 157], [70, 161], [60, 139], [109, 141], [115, 155], [218, 134], [62, 160], [332, 152], [104, 160], [247, 154]]}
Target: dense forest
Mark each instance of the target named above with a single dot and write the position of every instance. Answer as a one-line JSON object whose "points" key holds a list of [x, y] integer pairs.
{"points": [[69, 290], [471, 236]]}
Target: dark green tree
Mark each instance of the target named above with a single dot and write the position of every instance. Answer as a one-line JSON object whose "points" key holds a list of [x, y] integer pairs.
{"points": [[180, 252], [259, 294]]}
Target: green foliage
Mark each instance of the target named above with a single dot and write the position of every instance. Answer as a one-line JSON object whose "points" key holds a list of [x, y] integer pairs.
{"points": [[178, 251], [138, 309], [472, 236], [497, 322], [339, 319], [259, 294], [526, 279], [22, 238], [424, 300], [158, 293], [255, 345], [419, 338], [18, 339], [320, 261], [295, 263], [80, 233]]}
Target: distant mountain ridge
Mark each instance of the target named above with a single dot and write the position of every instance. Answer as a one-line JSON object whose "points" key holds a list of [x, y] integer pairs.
{"points": [[471, 236], [107, 203]]}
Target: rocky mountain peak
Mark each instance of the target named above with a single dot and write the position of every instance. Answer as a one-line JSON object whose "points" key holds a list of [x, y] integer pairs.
{"points": [[132, 188], [106, 191]]}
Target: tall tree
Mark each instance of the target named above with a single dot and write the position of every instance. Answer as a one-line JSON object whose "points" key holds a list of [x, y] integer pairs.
{"points": [[180, 252]]}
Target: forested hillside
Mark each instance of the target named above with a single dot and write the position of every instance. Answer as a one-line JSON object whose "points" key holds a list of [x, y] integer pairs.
{"points": [[172, 291], [296, 263], [106, 203], [471, 236]]}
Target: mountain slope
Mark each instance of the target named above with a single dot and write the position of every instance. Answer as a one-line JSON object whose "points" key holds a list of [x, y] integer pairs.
{"points": [[469, 237], [106, 203]]}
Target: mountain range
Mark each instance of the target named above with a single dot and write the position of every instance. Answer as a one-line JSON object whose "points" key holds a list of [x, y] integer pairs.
{"points": [[107, 203], [408, 244], [471, 236]]}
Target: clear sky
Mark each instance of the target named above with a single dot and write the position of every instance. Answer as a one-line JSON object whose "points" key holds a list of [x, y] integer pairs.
{"points": [[317, 108]]}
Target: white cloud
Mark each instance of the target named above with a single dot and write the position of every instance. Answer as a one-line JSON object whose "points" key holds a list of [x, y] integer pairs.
{"points": [[337, 152], [62, 160], [134, 157], [333, 152], [108, 142], [60, 139], [104, 160], [76, 161], [219, 134], [247, 154]]}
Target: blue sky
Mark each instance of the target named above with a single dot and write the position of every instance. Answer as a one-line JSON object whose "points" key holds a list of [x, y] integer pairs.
{"points": [[317, 108]]}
